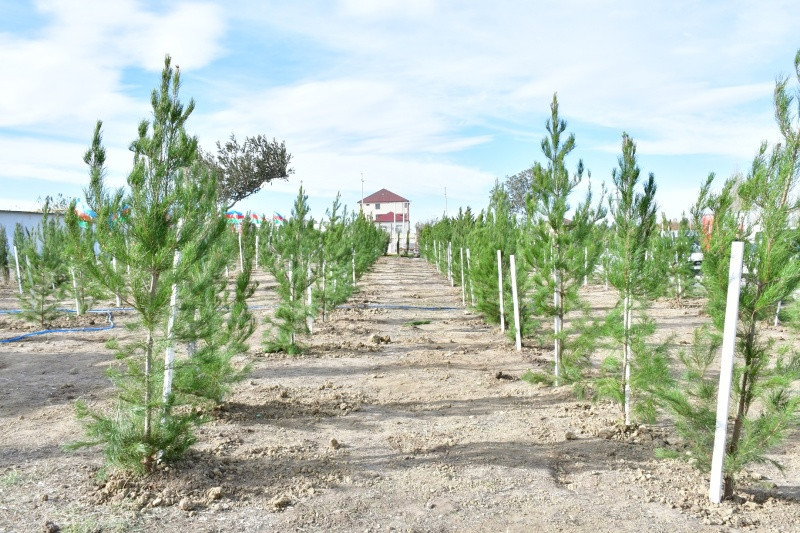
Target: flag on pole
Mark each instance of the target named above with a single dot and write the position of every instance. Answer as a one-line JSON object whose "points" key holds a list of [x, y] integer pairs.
{"points": [[278, 219]]}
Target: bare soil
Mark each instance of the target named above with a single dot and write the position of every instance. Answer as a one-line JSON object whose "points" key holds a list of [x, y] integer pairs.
{"points": [[382, 425]]}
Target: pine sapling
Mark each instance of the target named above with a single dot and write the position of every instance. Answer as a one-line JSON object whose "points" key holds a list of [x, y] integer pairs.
{"points": [[562, 252], [44, 278], [759, 209], [632, 377]]}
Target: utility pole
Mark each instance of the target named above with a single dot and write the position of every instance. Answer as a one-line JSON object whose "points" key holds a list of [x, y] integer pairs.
{"points": [[445, 201], [362, 192]]}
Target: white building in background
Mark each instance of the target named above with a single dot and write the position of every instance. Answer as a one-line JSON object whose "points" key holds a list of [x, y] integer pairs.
{"points": [[28, 217], [391, 212]]}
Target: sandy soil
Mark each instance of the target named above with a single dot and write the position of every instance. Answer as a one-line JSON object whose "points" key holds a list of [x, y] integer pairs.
{"points": [[381, 426]]}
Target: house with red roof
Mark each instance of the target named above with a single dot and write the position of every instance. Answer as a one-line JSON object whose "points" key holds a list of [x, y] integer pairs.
{"points": [[391, 212]]}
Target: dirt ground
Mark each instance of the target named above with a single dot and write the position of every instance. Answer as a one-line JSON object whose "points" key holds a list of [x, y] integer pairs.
{"points": [[381, 426]]}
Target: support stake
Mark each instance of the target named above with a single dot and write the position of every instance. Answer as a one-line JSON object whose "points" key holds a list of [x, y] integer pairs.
{"points": [[726, 370], [516, 302]]}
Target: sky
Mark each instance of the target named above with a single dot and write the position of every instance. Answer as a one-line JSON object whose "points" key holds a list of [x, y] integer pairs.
{"points": [[433, 100]]}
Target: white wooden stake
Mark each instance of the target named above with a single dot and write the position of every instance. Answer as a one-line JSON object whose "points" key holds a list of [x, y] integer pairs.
{"points": [[726, 370], [463, 287], [777, 312], [116, 294], [450, 263], [500, 288], [516, 302], [469, 275], [291, 295], [557, 326], [241, 256], [30, 276], [354, 267], [75, 288], [16, 260], [256, 251], [678, 276], [169, 355], [626, 355], [309, 319], [324, 298]]}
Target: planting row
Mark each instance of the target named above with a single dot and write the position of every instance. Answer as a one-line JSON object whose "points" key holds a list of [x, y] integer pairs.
{"points": [[617, 241], [163, 248]]}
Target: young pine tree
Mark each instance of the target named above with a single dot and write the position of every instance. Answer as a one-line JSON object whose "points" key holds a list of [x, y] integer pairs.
{"points": [[672, 249], [496, 230], [214, 323], [760, 209], [641, 369], [562, 252], [44, 274], [157, 232], [289, 259], [334, 279], [368, 241], [81, 238]]}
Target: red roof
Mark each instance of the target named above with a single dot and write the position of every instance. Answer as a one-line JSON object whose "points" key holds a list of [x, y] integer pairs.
{"points": [[387, 217], [383, 197]]}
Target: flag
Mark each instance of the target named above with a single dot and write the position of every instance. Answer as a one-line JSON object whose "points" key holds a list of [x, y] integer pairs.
{"points": [[277, 218]]}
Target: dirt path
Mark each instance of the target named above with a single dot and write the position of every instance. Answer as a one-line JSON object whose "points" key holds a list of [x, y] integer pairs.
{"points": [[381, 426]]}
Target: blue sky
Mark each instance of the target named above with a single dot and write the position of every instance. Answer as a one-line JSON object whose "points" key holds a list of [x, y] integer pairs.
{"points": [[414, 95]]}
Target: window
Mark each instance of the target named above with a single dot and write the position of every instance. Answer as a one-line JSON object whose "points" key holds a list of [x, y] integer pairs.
{"points": [[377, 206]]}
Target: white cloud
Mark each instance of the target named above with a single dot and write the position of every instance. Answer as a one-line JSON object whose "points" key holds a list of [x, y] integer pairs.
{"points": [[72, 67], [406, 88]]}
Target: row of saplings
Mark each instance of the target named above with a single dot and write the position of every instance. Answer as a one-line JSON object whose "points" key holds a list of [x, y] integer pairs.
{"points": [[620, 243], [164, 250]]}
